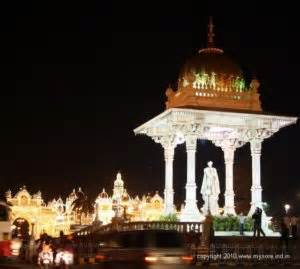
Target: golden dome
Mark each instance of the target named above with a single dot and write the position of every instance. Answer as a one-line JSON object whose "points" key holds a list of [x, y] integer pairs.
{"points": [[211, 67], [103, 194], [119, 182], [210, 61], [156, 197], [125, 197], [211, 79]]}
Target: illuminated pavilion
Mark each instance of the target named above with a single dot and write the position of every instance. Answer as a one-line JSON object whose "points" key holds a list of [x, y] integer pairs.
{"points": [[212, 102]]}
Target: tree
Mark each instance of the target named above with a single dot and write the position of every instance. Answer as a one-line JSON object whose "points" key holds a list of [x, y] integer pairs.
{"points": [[83, 204]]}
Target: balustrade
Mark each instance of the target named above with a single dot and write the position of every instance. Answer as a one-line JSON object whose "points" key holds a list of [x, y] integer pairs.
{"points": [[182, 227]]}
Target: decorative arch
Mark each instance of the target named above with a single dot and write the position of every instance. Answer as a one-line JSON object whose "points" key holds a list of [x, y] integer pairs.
{"points": [[21, 228]]}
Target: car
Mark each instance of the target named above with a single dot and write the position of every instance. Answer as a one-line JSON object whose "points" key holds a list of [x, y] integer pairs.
{"points": [[144, 246]]}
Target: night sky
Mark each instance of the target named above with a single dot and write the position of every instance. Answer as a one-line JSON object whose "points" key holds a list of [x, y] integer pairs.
{"points": [[76, 81]]}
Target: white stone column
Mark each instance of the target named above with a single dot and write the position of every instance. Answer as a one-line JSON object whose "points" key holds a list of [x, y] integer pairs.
{"points": [[169, 192], [191, 211], [229, 192], [256, 189]]}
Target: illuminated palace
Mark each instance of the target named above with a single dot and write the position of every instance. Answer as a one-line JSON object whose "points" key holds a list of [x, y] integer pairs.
{"points": [[212, 102], [31, 213], [31, 210], [147, 208]]}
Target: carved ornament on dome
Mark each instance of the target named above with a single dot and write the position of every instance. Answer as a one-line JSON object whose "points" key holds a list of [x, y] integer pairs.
{"points": [[213, 81], [204, 89], [170, 92], [254, 85]]}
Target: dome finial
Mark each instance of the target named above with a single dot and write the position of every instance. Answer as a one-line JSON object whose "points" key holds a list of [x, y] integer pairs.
{"points": [[210, 40], [210, 35]]}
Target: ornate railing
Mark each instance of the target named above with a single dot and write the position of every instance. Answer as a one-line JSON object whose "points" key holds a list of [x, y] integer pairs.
{"points": [[182, 227]]}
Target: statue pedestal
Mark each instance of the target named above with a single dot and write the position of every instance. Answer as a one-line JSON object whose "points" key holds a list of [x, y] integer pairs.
{"points": [[211, 203]]}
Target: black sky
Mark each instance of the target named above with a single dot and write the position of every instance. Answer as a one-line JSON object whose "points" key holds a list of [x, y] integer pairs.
{"points": [[77, 81]]}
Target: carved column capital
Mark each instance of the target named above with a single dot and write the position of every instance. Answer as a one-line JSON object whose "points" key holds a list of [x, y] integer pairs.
{"points": [[191, 142], [255, 146], [256, 134], [167, 141], [228, 144]]}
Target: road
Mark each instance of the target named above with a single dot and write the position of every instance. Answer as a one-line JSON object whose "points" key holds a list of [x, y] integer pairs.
{"points": [[102, 266]]}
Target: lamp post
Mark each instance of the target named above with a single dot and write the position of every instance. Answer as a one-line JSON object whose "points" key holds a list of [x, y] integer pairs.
{"points": [[31, 247], [32, 228], [97, 213], [287, 208]]}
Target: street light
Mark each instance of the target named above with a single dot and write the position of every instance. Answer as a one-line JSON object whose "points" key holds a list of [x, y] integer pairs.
{"points": [[287, 208]]}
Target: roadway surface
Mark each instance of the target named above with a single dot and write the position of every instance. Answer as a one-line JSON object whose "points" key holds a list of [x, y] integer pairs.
{"points": [[103, 266], [133, 266]]}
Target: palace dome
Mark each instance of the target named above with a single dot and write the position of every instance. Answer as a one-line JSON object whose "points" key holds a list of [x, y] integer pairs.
{"points": [[125, 197], [211, 60], [213, 80], [119, 182], [103, 194]]}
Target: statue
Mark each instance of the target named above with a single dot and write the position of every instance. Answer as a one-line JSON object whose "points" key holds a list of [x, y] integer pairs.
{"points": [[210, 190]]}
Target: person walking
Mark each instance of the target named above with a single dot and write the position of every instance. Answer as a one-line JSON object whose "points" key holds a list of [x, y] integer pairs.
{"points": [[284, 231], [287, 221], [45, 257], [241, 218], [294, 227], [257, 223]]}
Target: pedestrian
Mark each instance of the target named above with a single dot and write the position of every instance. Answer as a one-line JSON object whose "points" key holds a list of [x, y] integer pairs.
{"points": [[294, 227], [284, 230], [241, 218], [287, 221], [257, 223], [207, 236], [45, 257]]}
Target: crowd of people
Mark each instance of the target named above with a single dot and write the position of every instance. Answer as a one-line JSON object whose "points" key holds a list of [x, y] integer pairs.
{"points": [[49, 251], [287, 225], [257, 220]]}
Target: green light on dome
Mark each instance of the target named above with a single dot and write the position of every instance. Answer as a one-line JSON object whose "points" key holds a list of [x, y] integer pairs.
{"points": [[239, 84], [216, 82]]}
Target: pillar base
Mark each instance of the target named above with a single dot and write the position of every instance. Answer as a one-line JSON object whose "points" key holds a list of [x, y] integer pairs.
{"points": [[230, 210], [191, 213], [169, 210], [265, 220]]}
